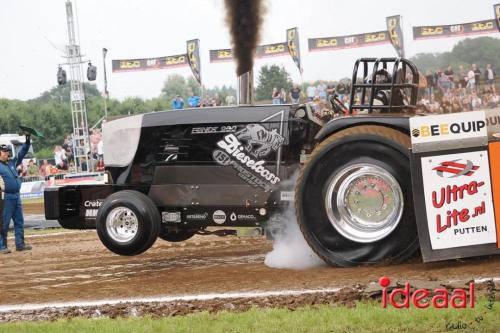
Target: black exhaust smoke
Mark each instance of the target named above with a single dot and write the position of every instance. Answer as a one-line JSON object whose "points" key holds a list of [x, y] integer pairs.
{"points": [[244, 18]]}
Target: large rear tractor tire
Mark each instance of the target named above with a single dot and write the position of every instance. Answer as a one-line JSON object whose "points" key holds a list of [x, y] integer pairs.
{"points": [[128, 223], [353, 198]]}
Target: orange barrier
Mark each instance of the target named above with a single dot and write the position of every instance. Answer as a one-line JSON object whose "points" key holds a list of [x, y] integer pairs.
{"points": [[494, 149]]}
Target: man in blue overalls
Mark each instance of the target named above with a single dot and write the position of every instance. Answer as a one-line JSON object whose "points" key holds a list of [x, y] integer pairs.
{"points": [[12, 208]]}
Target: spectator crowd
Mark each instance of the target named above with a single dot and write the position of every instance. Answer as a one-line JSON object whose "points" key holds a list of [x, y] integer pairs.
{"points": [[64, 161], [465, 89]]}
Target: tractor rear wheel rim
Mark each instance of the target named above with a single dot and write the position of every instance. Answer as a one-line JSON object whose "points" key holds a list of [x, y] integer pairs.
{"points": [[364, 202], [122, 224]]}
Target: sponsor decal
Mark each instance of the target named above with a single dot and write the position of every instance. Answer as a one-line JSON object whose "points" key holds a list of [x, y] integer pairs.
{"points": [[234, 153], [91, 213], [197, 216], [219, 216], [171, 217], [446, 127], [214, 129], [458, 199], [256, 136], [92, 203], [439, 298], [242, 217], [493, 122], [455, 168], [245, 151]]}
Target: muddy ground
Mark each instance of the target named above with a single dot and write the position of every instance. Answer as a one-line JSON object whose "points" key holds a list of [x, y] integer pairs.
{"points": [[77, 267]]}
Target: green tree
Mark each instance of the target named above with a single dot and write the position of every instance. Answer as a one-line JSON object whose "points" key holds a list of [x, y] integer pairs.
{"points": [[175, 85], [272, 77], [193, 86]]}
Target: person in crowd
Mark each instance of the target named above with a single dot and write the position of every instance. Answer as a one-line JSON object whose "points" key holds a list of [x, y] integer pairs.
{"points": [[230, 100], [476, 101], [68, 141], [443, 83], [95, 137], [451, 76], [321, 91], [71, 167], [100, 165], [12, 207], [311, 92], [295, 94], [275, 95], [177, 103], [462, 76], [69, 154], [477, 76], [216, 101], [43, 169], [489, 77], [83, 164], [330, 90], [471, 79], [100, 151], [32, 169], [431, 84], [194, 100], [22, 170], [342, 90], [282, 96], [60, 158]]}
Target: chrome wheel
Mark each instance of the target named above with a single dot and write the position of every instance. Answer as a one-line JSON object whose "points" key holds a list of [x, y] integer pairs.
{"points": [[122, 224], [364, 203]]}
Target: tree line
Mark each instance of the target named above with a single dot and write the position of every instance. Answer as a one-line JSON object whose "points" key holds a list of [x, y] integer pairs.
{"points": [[51, 113]]}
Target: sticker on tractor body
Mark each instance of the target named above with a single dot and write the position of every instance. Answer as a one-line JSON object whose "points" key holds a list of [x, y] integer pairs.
{"points": [[452, 185], [458, 199], [447, 131]]}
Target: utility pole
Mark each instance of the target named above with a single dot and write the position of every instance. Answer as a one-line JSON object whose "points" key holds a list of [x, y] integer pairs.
{"points": [[106, 94], [81, 144]]}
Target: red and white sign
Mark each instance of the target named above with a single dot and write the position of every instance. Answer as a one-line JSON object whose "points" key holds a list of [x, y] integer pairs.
{"points": [[458, 199]]}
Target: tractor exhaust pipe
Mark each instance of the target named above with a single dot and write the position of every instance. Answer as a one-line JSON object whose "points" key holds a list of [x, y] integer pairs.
{"points": [[245, 89]]}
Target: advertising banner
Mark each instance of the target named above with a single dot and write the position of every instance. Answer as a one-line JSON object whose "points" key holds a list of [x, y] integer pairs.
{"points": [[292, 40], [454, 30], [130, 65], [351, 41], [193, 56], [263, 51], [497, 15], [396, 34]]}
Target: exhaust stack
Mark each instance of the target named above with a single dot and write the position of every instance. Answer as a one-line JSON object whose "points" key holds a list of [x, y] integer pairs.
{"points": [[245, 89]]}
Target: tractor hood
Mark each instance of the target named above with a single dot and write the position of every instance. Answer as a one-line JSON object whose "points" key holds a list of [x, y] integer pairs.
{"points": [[121, 136]]}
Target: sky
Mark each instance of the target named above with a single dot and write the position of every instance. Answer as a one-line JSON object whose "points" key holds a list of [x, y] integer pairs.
{"points": [[33, 34]]}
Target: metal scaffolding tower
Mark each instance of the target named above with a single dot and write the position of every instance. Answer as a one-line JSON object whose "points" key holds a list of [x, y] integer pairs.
{"points": [[81, 144]]}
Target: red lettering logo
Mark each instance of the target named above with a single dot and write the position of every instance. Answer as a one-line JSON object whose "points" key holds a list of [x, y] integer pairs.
{"points": [[441, 298], [456, 169]]}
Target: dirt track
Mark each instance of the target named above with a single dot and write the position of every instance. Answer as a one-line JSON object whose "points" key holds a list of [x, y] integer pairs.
{"points": [[76, 267]]}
